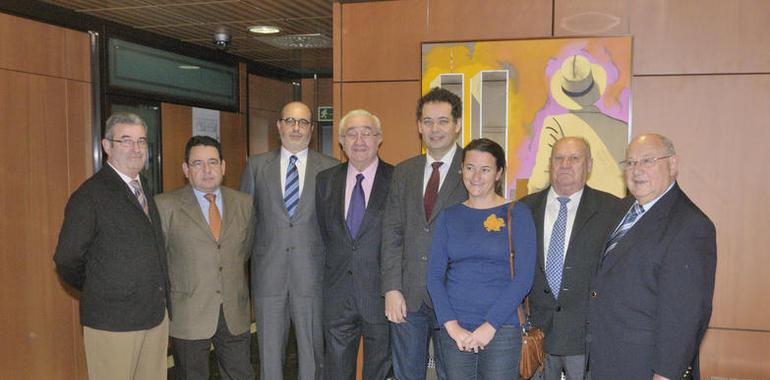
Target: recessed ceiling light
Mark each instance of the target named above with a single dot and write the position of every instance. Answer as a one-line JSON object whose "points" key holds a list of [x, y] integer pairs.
{"points": [[188, 67], [264, 29]]}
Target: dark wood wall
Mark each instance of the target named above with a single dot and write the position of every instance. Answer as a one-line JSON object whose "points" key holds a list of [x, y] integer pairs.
{"points": [[45, 121], [701, 75]]}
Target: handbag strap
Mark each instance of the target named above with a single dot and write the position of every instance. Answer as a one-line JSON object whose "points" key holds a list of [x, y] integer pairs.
{"points": [[512, 265]]}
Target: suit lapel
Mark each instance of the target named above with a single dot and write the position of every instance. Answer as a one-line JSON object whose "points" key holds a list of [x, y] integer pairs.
{"points": [[339, 185], [376, 197], [116, 183], [452, 180], [539, 218], [416, 187], [228, 212], [272, 177], [192, 209], [307, 197], [585, 211]]}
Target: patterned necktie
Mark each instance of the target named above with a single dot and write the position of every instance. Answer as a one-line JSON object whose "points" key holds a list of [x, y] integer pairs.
{"points": [[431, 191], [626, 225], [137, 187], [215, 220], [291, 189], [555, 259], [357, 207]]}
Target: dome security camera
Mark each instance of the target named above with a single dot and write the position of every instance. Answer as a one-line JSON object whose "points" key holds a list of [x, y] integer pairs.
{"points": [[222, 39]]}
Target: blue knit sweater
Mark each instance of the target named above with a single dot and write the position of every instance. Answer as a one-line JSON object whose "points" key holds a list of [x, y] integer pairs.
{"points": [[469, 276]]}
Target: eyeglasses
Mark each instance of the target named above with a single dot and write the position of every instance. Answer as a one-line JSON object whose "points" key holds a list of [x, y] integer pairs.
{"points": [[644, 163], [291, 122], [429, 123], [574, 160], [365, 134], [199, 164], [129, 143]]}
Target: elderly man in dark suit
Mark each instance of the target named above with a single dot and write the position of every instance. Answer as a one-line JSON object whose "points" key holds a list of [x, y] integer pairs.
{"points": [[572, 222], [353, 198], [422, 186], [111, 249], [650, 301], [287, 260], [208, 230]]}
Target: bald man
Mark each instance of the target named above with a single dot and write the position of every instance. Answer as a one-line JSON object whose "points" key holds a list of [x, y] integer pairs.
{"points": [[287, 259]]}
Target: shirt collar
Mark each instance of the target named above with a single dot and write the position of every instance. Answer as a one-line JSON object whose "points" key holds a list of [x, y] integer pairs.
{"points": [[124, 177], [447, 158], [301, 155]]}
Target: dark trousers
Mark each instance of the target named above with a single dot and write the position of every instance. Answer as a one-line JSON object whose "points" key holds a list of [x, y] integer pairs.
{"points": [[343, 333], [410, 345], [191, 357], [498, 360]]}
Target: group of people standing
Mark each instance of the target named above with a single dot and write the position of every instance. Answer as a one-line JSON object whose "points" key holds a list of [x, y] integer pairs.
{"points": [[393, 256]]}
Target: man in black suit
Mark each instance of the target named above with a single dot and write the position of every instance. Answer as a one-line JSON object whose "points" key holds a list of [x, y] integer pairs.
{"points": [[351, 198], [572, 223], [650, 301], [422, 186], [111, 249]]}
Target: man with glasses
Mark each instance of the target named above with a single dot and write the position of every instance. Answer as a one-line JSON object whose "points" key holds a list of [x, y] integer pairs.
{"points": [[572, 221], [208, 230], [111, 250], [650, 299], [353, 195], [421, 187], [287, 259]]}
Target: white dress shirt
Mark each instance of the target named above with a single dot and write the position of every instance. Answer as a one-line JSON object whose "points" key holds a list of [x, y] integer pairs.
{"points": [[552, 213], [301, 165], [443, 169]]}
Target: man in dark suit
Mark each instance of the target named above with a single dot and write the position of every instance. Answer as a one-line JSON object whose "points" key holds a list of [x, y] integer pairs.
{"points": [[651, 296], [353, 198], [421, 187], [111, 249], [572, 223], [287, 260], [208, 230]]}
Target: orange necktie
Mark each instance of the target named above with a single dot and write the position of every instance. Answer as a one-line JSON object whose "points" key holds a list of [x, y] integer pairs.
{"points": [[215, 221]]}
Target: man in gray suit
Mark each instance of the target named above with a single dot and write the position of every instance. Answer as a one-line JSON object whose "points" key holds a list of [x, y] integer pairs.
{"points": [[287, 259], [572, 221], [208, 231], [353, 195], [421, 187]]}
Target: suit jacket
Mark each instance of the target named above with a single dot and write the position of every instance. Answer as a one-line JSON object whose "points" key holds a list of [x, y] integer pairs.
{"points": [[406, 235], [288, 253], [113, 253], [651, 296], [352, 266], [205, 273], [563, 321]]}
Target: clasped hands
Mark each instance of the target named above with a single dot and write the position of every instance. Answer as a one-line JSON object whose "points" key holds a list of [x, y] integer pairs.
{"points": [[470, 341]]}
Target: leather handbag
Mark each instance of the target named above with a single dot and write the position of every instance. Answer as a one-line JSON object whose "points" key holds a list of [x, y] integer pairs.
{"points": [[532, 338]]}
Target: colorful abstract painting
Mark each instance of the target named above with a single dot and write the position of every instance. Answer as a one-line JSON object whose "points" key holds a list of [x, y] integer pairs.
{"points": [[526, 94]]}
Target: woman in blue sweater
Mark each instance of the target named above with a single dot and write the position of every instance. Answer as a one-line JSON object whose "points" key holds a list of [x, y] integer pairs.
{"points": [[469, 277]]}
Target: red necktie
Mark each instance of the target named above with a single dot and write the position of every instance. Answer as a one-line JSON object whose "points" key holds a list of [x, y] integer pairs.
{"points": [[431, 191]]}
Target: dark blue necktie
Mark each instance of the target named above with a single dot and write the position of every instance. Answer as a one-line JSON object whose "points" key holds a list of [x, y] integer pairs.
{"points": [[626, 225], [291, 188], [357, 207], [554, 265]]}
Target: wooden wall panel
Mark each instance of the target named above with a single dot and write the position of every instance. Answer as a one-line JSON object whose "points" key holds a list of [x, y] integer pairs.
{"points": [[394, 103], [233, 138], [77, 55], [383, 39], [175, 130], [591, 17], [735, 354], [700, 36], [33, 47], [336, 41], [719, 125], [266, 97], [452, 20]]}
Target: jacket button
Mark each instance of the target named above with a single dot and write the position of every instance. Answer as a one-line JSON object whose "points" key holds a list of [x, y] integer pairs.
{"points": [[424, 258], [547, 291], [350, 272], [558, 308], [220, 269], [354, 248], [593, 294], [291, 224], [427, 229]]}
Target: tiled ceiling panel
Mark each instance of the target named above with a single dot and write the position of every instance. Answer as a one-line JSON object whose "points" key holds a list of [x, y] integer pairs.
{"points": [[195, 21]]}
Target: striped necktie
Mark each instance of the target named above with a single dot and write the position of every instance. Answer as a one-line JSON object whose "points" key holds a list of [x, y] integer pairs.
{"points": [[626, 225], [291, 189], [137, 189], [555, 261]]}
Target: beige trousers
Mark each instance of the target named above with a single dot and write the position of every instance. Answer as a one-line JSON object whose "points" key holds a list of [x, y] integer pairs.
{"points": [[129, 355]]}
